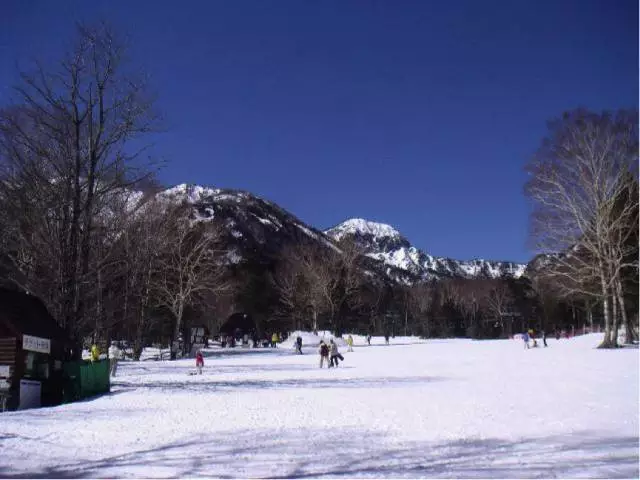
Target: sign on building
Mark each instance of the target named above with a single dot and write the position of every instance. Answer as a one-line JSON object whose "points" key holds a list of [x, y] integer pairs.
{"points": [[36, 344]]}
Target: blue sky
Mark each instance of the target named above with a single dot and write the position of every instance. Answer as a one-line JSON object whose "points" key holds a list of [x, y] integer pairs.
{"points": [[419, 114]]}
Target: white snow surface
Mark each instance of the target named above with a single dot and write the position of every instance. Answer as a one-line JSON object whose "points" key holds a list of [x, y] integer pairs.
{"points": [[438, 408]]}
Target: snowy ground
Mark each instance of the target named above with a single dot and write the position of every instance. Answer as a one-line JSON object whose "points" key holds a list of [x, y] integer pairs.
{"points": [[441, 408]]}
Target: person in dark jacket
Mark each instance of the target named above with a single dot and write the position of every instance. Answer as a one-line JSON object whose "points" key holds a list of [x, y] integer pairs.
{"points": [[544, 337], [323, 350], [299, 344]]}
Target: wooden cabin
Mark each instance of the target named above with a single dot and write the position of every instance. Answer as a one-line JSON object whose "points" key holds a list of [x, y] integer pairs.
{"points": [[33, 348]]}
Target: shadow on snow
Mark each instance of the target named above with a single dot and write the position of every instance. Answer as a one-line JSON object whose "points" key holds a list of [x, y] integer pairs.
{"points": [[350, 453], [202, 383]]}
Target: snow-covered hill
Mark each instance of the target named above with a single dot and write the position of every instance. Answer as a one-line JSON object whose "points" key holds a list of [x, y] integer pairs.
{"points": [[385, 243]]}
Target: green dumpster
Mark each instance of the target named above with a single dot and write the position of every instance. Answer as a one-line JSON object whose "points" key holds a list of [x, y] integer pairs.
{"points": [[86, 379]]}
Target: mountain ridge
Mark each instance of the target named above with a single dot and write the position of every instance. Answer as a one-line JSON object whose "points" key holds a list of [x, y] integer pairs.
{"points": [[253, 223]]}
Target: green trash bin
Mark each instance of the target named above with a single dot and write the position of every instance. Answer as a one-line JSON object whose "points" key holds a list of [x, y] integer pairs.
{"points": [[85, 379]]}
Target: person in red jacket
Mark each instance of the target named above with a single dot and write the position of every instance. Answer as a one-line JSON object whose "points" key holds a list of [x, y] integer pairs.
{"points": [[199, 362]]}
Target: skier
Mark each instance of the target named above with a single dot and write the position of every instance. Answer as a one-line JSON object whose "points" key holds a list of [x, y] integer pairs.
{"points": [[335, 355], [386, 338], [299, 344], [324, 353], [114, 356], [525, 338], [274, 340], [199, 362], [350, 343], [544, 337], [369, 339]]}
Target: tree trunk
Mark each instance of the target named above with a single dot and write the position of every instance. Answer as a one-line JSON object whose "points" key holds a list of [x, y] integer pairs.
{"points": [[405, 321], [630, 333], [614, 320], [176, 332], [606, 341], [138, 342]]}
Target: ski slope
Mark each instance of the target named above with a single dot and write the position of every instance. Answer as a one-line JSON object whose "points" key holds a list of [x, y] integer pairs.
{"points": [[437, 408]]}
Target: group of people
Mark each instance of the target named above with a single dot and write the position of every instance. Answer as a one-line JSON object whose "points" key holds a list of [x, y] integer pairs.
{"points": [[329, 353], [529, 336], [298, 344]]}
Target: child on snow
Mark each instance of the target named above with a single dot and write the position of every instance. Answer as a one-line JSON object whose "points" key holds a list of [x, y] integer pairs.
{"points": [[199, 362]]}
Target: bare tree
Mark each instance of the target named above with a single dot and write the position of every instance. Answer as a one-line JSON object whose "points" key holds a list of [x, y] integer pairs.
{"points": [[470, 300], [421, 298], [63, 150], [576, 181], [498, 298], [292, 279], [372, 298], [191, 264]]}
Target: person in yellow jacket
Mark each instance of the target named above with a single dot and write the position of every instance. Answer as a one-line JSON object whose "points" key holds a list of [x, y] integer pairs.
{"points": [[350, 343], [274, 340], [95, 353]]}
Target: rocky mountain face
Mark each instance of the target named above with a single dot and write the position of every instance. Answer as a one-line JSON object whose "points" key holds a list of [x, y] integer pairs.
{"points": [[387, 245], [259, 228]]}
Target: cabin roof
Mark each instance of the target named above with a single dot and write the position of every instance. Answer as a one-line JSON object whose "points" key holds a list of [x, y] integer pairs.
{"points": [[23, 314]]}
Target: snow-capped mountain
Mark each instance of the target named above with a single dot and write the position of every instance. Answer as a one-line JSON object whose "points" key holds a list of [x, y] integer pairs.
{"points": [[384, 243], [258, 230]]}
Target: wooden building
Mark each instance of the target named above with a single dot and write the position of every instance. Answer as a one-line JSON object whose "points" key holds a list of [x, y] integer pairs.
{"points": [[33, 349]]}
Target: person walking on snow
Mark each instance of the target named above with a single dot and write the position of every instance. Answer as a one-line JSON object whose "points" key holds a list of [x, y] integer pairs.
{"points": [[350, 343], [369, 339], [299, 344], [114, 355], [95, 353], [199, 362], [544, 337], [335, 355], [274, 340], [323, 350], [525, 338]]}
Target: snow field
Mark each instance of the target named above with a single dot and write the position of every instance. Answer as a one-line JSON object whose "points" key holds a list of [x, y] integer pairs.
{"points": [[437, 408]]}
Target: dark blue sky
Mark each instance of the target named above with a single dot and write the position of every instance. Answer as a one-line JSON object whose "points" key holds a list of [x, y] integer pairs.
{"points": [[419, 114]]}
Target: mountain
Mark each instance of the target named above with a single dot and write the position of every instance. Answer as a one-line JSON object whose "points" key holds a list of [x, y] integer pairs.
{"points": [[255, 228], [259, 229], [384, 243]]}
